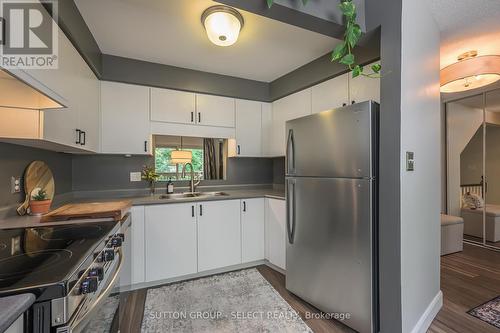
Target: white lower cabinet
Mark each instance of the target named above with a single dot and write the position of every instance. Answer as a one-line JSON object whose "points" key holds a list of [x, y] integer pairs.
{"points": [[219, 234], [170, 246], [252, 229], [137, 260], [174, 240], [276, 232]]}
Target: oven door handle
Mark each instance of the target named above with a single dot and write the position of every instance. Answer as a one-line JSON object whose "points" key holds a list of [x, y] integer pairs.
{"points": [[76, 322]]}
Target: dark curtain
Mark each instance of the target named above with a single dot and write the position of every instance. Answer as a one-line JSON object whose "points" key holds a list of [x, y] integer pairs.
{"points": [[209, 159]]}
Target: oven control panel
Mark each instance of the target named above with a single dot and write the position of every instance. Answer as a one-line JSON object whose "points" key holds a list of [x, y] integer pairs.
{"points": [[97, 277]]}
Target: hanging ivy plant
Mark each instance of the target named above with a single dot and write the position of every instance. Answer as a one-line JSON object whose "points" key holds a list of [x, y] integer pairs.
{"points": [[343, 51]]}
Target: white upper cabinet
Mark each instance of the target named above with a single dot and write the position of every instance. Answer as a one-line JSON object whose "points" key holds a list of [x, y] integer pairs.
{"points": [[173, 106], [252, 229], [60, 126], [215, 110], [363, 88], [248, 128], [125, 124], [331, 94], [89, 110], [290, 107], [267, 129], [170, 246], [219, 234], [75, 86]]}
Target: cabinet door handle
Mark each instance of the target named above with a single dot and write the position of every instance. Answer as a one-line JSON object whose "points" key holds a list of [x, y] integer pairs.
{"points": [[201, 210], [199, 117], [78, 136], [146, 146], [192, 116], [344, 104], [353, 102], [84, 141], [239, 150], [192, 211], [244, 206]]}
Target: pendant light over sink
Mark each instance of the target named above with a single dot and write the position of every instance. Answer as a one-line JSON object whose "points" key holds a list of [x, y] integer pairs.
{"points": [[222, 24], [470, 72], [180, 156]]}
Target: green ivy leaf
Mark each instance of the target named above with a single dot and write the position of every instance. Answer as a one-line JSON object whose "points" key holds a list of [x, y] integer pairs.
{"points": [[348, 9], [376, 68], [348, 59], [270, 3], [339, 51], [353, 34], [357, 71]]}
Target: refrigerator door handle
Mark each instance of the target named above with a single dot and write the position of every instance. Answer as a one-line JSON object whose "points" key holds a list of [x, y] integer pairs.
{"points": [[290, 150], [290, 208]]}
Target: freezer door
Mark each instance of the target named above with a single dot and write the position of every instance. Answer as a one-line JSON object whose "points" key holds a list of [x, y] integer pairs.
{"points": [[335, 143], [329, 256]]}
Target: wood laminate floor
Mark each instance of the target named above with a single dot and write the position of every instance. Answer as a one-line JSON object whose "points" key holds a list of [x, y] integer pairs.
{"points": [[468, 279]]}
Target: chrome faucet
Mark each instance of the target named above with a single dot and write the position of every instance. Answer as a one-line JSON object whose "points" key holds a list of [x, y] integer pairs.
{"points": [[192, 184]]}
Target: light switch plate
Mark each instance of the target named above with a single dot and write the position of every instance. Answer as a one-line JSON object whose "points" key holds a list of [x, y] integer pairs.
{"points": [[410, 161], [135, 176]]}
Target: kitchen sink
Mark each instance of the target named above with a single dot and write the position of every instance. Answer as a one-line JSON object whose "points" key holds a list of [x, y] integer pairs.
{"points": [[177, 196]]}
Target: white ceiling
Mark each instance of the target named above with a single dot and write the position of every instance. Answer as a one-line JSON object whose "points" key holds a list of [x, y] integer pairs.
{"points": [[467, 25], [170, 32]]}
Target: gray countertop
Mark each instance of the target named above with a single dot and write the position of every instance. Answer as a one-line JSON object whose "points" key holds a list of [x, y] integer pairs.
{"points": [[234, 194], [12, 307]]}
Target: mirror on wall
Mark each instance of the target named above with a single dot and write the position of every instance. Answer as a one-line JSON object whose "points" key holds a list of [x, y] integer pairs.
{"points": [[492, 168], [465, 169], [208, 157]]}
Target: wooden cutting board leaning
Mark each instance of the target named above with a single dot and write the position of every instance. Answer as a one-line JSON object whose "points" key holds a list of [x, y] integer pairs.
{"points": [[37, 175]]}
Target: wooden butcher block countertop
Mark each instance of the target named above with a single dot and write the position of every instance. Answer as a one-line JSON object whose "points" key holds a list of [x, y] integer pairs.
{"points": [[89, 210]]}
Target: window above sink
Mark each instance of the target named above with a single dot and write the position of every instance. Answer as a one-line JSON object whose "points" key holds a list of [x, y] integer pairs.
{"points": [[209, 156]]}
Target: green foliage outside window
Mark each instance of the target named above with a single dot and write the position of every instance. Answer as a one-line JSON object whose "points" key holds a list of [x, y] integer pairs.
{"points": [[166, 169]]}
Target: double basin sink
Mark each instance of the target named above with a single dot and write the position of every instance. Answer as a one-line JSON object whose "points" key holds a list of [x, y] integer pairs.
{"points": [[178, 196]]}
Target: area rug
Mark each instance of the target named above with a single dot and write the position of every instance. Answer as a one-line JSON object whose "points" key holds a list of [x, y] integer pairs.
{"points": [[488, 312], [241, 301]]}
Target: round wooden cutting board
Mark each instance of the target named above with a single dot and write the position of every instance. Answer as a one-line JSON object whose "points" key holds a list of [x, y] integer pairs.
{"points": [[37, 175]]}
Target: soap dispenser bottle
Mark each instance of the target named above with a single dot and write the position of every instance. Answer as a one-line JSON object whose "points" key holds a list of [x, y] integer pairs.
{"points": [[170, 186]]}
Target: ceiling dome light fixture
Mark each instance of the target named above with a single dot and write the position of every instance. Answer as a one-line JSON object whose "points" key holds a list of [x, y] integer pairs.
{"points": [[470, 72], [223, 24]]}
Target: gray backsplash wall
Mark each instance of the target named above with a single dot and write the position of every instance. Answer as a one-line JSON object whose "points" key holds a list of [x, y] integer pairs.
{"points": [[112, 172], [279, 170], [13, 161]]}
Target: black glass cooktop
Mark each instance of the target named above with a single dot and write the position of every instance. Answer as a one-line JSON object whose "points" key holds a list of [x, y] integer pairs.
{"points": [[31, 258]]}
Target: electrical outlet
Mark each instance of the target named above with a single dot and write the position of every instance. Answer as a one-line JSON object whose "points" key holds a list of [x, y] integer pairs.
{"points": [[15, 184], [135, 177]]}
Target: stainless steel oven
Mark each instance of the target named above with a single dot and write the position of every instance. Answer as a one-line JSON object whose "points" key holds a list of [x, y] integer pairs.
{"points": [[93, 303]]}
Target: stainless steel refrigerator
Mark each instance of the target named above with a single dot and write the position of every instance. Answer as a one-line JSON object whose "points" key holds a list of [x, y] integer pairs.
{"points": [[331, 197]]}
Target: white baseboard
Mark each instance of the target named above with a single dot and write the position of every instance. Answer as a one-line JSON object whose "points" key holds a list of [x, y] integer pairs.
{"points": [[221, 270], [430, 313]]}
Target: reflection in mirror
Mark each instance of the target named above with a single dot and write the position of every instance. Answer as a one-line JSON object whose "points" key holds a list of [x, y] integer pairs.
{"points": [[492, 165], [465, 119], [207, 156]]}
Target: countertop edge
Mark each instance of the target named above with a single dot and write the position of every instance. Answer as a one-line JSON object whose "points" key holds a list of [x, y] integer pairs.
{"points": [[34, 221]]}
